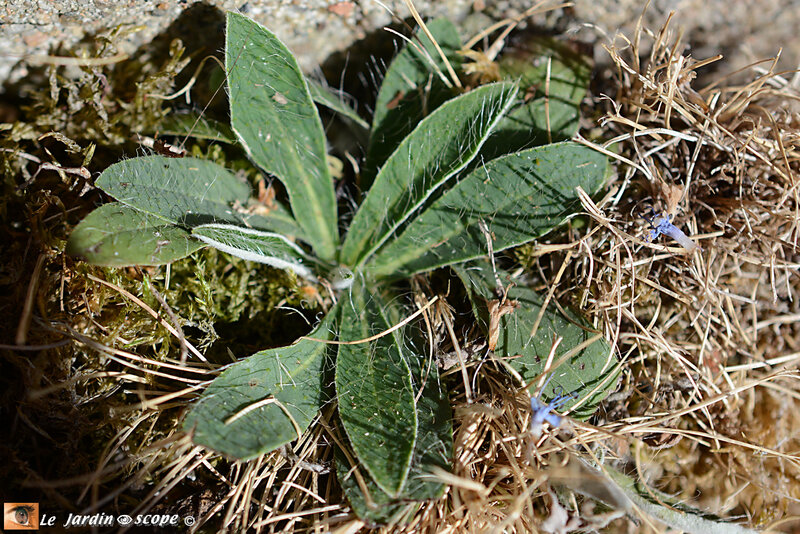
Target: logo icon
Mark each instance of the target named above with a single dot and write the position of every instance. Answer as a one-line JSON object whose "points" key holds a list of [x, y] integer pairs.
{"points": [[21, 516]]}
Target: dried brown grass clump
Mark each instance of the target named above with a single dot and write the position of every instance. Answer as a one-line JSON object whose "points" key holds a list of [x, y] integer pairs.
{"points": [[711, 340], [708, 341]]}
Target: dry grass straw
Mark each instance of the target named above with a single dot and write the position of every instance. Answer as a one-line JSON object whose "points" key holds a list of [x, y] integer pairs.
{"points": [[709, 341]]}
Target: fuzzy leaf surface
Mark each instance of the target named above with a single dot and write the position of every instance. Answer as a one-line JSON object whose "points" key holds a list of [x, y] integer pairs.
{"points": [[589, 375], [547, 109], [519, 197], [255, 245], [438, 148], [230, 418], [275, 119], [434, 444], [196, 125], [334, 100], [374, 388], [370, 503], [670, 510], [116, 235], [189, 192], [433, 447], [411, 88], [272, 218]]}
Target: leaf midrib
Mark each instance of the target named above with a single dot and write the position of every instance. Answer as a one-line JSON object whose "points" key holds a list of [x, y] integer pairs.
{"points": [[465, 159]]}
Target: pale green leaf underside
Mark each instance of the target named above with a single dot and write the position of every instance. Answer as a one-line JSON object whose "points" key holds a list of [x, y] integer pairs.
{"points": [[333, 100], [376, 399], [594, 367], [276, 218], [238, 413], [411, 88], [255, 245], [440, 146], [277, 122], [519, 197], [116, 235], [670, 510]]}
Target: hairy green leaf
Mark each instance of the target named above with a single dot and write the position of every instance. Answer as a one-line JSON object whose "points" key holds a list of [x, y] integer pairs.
{"points": [[334, 100], [272, 218], [519, 197], [374, 388], [370, 503], [443, 144], [263, 401], [414, 86], [277, 122], [589, 374], [553, 80], [116, 235], [670, 510], [189, 192], [185, 191], [196, 125], [255, 245], [433, 447]]}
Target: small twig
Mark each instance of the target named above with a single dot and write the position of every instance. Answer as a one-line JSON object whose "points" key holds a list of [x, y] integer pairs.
{"points": [[510, 24], [379, 334], [490, 250], [53, 345], [188, 85], [420, 296], [175, 322], [62, 61], [550, 293], [450, 70], [83, 172], [457, 347], [265, 402], [27, 308]]}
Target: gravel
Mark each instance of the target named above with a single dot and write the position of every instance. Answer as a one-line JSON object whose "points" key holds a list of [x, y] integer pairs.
{"points": [[744, 30]]}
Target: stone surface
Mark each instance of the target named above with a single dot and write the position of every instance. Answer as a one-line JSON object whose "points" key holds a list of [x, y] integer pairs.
{"points": [[743, 30]]}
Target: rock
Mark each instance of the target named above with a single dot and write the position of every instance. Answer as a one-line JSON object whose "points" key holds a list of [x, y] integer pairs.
{"points": [[743, 30]]}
